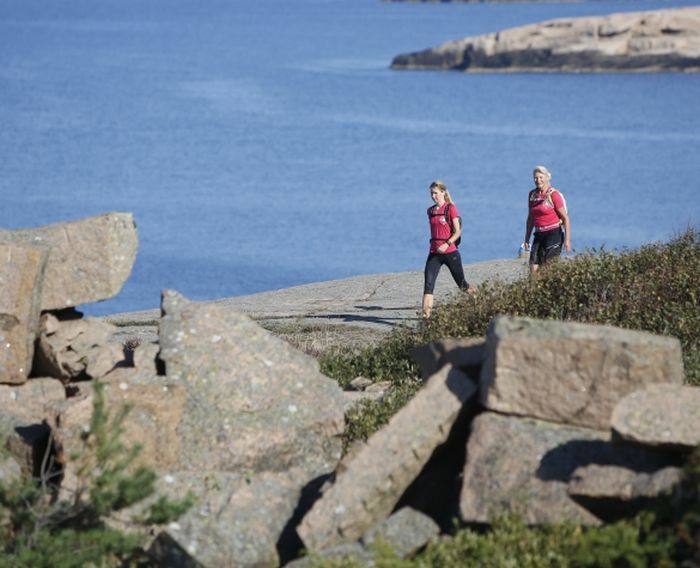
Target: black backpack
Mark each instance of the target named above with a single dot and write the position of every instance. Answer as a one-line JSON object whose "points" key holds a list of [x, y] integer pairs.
{"points": [[447, 218]]}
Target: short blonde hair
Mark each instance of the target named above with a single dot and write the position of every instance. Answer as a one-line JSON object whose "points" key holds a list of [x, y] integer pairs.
{"points": [[438, 184], [542, 170]]}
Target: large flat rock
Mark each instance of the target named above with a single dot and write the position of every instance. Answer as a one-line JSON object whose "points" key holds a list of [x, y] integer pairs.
{"points": [[613, 492], [254, 403], [236, 521], [569, 372], [662, 415], [526, 465], [367, 490], [661, 40], [89, 260]]}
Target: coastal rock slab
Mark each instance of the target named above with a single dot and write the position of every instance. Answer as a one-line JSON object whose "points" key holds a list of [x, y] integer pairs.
{"points": [[21, 280], [88, 260], [660, 415], [652, 41], [613, 492], [571, 373], [254, 402], [526, 465], [372, 482]]}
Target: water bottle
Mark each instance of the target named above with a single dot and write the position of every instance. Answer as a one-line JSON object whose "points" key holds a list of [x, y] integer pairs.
{"points": [[524, 250]]}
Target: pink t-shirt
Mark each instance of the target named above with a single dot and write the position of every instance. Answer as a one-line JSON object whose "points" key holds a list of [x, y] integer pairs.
{"points": [[440, 229], [543, 210]]}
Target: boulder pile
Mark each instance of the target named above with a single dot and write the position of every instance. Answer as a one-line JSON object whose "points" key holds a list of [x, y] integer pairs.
{"points": [[652, 41], [545, 418], [559, 421]]}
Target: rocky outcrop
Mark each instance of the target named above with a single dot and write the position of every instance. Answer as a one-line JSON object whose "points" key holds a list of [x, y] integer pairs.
{"points": [[221, 408], [156, 410], [544, 467], [560, 421], [88, 260], [259, 403], [662, 40]]}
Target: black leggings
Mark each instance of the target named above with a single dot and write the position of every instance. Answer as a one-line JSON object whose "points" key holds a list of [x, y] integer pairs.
{"points": [[435, 261]]}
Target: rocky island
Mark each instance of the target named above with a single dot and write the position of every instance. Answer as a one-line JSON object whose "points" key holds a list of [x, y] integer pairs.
{"points": [[651, 41]]}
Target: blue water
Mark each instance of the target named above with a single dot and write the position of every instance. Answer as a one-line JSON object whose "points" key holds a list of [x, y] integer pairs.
{"points": [[264, 144]]}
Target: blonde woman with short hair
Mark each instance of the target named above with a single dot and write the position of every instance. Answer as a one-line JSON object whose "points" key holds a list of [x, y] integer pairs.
{"points": [[547, 215]]}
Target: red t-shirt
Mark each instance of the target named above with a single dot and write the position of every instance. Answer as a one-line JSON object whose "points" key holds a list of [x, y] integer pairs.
{"points": [[440, 229], [543, 209]]}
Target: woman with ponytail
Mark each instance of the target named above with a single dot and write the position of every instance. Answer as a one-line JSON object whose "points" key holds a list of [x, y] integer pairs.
{"points": [[445, 230]]}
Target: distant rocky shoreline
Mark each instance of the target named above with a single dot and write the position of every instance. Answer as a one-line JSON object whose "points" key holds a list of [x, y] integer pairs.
{"points": [[652, 41]]}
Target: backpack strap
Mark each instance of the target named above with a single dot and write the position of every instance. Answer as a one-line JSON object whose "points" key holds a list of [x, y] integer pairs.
{"points": [[458, 240], [550, 200]]}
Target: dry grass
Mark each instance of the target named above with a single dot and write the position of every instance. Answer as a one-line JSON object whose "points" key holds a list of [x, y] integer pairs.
{"points": [[315, 339]]}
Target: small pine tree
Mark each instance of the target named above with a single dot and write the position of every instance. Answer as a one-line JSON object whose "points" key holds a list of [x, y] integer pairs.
{"points": [[37, 529]]}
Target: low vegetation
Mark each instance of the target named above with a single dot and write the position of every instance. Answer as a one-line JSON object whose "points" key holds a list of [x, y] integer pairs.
{"points": [[316, 339], [655, 288]]}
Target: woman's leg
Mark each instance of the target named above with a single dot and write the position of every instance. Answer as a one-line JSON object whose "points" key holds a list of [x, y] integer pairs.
{"points": [[432, 267], [454, 263], [535, 254], [427, 305]]}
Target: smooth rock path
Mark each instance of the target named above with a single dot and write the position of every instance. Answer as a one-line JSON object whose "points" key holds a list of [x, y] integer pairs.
{"points": [[377, 301]]}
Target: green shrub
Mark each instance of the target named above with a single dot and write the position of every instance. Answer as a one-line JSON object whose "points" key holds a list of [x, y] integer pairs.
{"points": [[389, 360], [511, 542], [369, 416], [37, 529], [680, 513]]}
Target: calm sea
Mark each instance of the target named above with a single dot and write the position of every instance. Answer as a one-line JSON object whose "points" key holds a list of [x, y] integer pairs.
{"points": [[262, 144]]}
